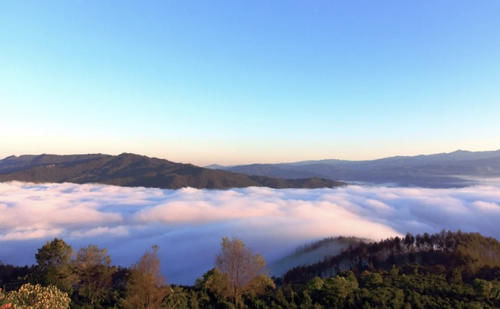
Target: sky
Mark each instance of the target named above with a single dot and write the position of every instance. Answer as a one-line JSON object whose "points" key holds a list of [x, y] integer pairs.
{"points": [[257, 81]]}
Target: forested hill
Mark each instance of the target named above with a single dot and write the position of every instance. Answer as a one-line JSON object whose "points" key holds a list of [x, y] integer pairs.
{"points": [[135, 170], [312, 253], [468, 252]]}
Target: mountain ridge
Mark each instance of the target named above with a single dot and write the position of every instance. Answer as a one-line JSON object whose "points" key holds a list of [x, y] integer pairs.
{"points": [[458, 151], [129, 169], [434, 170]]}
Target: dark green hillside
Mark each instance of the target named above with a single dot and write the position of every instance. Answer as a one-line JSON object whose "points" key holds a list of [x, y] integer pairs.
{"points": [[134, 170], [468, 252]]}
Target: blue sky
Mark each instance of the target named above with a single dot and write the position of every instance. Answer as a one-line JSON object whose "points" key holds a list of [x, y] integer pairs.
{"points": [[256, 81]]}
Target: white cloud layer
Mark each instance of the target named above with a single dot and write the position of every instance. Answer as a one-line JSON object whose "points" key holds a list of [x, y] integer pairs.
{"points": [[187, 224]]}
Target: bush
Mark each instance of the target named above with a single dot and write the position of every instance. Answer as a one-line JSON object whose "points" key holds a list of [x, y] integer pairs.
{"points": [[37, 297]]}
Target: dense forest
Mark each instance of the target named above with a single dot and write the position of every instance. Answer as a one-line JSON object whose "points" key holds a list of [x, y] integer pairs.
{"points": [[444, 270]]}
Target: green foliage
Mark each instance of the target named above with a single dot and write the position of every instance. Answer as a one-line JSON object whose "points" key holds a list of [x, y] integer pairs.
{"points": [[94, 273], [371, 280], [54, 253], [315, 284], [477, 250], [54, 262], [215, 283], [176, 299], [465, 251], [259, 285]]}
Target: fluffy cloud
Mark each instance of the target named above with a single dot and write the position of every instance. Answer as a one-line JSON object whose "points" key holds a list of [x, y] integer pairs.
{"points": [[188, 223]]}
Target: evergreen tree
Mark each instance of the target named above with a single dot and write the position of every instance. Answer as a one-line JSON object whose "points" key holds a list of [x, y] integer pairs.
{"points": [[54, 265]]}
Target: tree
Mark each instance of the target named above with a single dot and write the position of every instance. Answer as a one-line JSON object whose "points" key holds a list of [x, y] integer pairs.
{"points": [[371, 279], [483, 288], [177, 299], [92, 266], [146, 287], [216, 283], [38, 297], [242, 268], [314, 284], [54, 262]]}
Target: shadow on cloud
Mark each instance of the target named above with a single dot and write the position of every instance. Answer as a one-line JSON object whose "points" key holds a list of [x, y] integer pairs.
{"points": [[188, 223]]}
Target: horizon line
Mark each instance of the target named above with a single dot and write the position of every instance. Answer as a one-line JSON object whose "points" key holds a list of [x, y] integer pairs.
{"points": [[279, 162]]}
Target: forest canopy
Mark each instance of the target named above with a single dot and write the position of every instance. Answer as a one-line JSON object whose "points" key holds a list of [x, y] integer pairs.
{"points": [[447, 269]]}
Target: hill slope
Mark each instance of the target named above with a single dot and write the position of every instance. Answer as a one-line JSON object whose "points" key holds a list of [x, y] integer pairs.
{"points": [[134, 170], [465, 251], [313, 253]]}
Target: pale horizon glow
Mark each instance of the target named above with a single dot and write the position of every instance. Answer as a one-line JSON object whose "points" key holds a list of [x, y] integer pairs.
{"points": [[214, 158]]}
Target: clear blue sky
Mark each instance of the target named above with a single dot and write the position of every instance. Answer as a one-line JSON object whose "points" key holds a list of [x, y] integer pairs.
{"points": [[247, 81]]}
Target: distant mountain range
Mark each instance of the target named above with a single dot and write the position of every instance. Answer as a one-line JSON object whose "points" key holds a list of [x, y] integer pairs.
{"points": [[455, 169], [135, 170]]}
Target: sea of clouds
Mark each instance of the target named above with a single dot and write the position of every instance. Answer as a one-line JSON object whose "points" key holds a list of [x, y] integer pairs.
{"points": [[188, 224]]}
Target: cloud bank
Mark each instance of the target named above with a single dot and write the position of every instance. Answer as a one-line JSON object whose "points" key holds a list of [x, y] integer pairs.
{"points": [[188, 223]]}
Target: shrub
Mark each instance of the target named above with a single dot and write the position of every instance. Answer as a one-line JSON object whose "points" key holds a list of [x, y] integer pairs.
{"points": [[37, 297]]}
